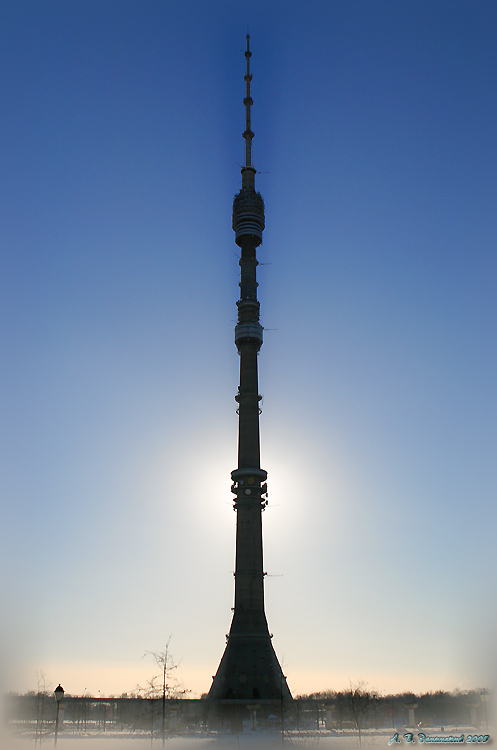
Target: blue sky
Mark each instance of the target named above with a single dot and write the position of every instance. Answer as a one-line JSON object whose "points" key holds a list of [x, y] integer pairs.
{"points": [[375, 141]]}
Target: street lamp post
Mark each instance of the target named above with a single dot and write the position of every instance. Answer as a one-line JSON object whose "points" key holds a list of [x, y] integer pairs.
{"points": [[59, 694]]}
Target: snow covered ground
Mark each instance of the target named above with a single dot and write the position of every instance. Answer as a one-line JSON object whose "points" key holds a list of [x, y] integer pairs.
{"points": [[322, 740]]}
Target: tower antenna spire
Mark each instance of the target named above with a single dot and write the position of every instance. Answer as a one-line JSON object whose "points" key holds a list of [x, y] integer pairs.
{"points": [[248, 101]]}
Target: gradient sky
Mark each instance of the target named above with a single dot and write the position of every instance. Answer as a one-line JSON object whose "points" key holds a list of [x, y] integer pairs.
{"points": [[375, 125]]}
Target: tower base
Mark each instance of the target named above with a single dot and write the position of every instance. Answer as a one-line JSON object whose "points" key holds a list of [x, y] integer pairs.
{"points": [[249, 670]]}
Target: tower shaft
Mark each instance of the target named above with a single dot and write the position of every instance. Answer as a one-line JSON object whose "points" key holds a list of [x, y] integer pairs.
{"points": [[249, 668]]}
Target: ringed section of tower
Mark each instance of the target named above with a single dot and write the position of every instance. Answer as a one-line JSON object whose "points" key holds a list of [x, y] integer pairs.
{"points": [[249, 480]]}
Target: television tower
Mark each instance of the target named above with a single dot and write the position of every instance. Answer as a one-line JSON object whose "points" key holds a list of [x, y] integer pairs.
{"points": [[249, 668]]}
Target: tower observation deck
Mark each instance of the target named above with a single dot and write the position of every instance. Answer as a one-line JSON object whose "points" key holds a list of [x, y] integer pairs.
{"points": [[249, 668]]}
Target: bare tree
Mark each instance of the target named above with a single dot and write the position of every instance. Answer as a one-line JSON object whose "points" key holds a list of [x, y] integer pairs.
{"points": [[41, 694], [164, 685], [360, 702]]}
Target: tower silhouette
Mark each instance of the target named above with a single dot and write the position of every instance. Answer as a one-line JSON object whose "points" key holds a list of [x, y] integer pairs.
{"points": [[249, 668]]}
